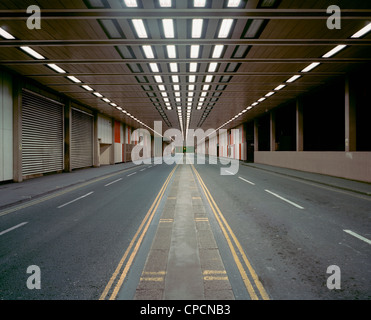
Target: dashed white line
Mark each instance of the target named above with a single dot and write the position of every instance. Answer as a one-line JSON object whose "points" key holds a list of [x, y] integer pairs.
{"points": [[284, 199], [358, 236], [247, 181], [131, 174], [231, 173], [79, 198], [143, 169], [108, 184], [12, 228]]}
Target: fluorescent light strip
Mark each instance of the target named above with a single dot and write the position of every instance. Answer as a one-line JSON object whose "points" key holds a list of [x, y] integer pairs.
{"points": [[106, 100], [193, 67], [98, 94], [131, 3], [33, 53], [197, 28], [212, 67], [87, 88], [209, 78], [334, 51], [158, 79], [173, 67], [311, 67], [199, 3], [294, 78], [140, 28], [225, 28], [165, 3], [168, 25], [192, 78], [281, 86], [261, 99], [6, 34], [270, 94], [175, 78], [218, 50], [74, 79], [154, 67], [195, 51], [171, 51], [362, 32], [148, 52], [56, 68], [233, 3]]}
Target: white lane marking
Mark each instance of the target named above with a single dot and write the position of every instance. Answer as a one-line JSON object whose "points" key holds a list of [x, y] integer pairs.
{"points": [[231, 173], [143, 169], [247, 181], [108, 184], [79, 198], [282, 198], [149, 167], [358, 236], [12, 228], [131, 174]]}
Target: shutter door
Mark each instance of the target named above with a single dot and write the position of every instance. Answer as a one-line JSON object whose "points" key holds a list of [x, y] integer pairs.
{"points": [[81, 140], [42, 134]]}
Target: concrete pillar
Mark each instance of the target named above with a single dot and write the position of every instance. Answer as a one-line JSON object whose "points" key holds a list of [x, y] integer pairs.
{"points": [[272, 131], [96, 145], [256, 137], [17, 130], [67, 136], [350, 117], [299, 126], [112, 149]]}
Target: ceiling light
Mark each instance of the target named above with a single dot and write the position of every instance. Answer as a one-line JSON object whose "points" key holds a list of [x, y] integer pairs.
{"points": [[206, 87], [218, 50], [171, 51], [177, 94], [362, 32], [255, 104], [334, 51], [168, 108], [97, 94], [154, 67], [281, 86], [199, 3], [33, 53], [158, 79], [6, 34], [191, 87], [148, 52], [294, 78], [131, 3], [225, 28], [176, 87], [164, 94], [168, 28], [115, 105], [203, 94], [56, 68], [173, 67], [209, 78], [270, 94], [74, 79], [106, 100], [178, 100], [233, 3], [311, 67], [197, 28], [192, 78], [161, 87], [261, 99], [165, 3], [191, 94], [212, 67], [175, 78], [140, 28], [87, 88], [193, 67], [195, 51]]}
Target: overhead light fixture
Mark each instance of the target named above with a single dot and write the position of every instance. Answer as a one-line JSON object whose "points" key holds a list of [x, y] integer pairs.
{"points": [[98, 94], [56, 68], [270, 94], [191, 87], [233, 3], [293, 78], [192, 78], [218, 50], [161, 87], [165, 3], [199, 3], [33, 53], [176, 87], [206, 87], [74, 79], [115, 105], [225, 28], [140, 28], [173, 67], [6, 34], [311, 67], [195, 51], [281, 86], [362, 32], [197, 28], [154, 67], [209, 78], [334, 51], [168, 25], [171, 51], [193, 67], [175, 79], [212, 67], [261, 99], [158, 79], [255, 104], [87, 88], [148, 52], [106, 100], [131, 3]]}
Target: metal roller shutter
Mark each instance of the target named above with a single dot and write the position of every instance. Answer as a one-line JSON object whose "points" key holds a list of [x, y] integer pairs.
{"points": [[81, 139], [42, 134]]}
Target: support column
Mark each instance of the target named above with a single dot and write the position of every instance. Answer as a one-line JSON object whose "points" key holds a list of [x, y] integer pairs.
{"points": [[96, 145], [272, 131], [350, 118], [17, 130], [67, 136], [256, 135], [112, 149], [299, 126]]}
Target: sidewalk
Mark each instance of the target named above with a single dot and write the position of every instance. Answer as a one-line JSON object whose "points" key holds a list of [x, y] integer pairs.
{"points": [[340, 183], [14, 193]]}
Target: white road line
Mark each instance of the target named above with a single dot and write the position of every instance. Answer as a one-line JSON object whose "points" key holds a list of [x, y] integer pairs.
{"points": [[247, 181], [131, 174], [358, 236], [12, 228], [282, 198], [149, 167], [231, 173], [108, 184], [79, 198], [143, 169]]}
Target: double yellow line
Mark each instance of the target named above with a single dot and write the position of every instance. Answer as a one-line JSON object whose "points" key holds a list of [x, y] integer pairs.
{"points": [[254, 287], [133, 246]]}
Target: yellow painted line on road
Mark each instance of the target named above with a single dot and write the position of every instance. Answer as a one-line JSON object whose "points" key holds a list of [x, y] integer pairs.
{"points": [[213, 278], [158, 279], [142, 230], [231, 238], [208, 272]]}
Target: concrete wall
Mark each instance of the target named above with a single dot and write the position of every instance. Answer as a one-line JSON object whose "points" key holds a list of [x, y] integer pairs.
{"points": [[349, 165], [6, 127]]}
